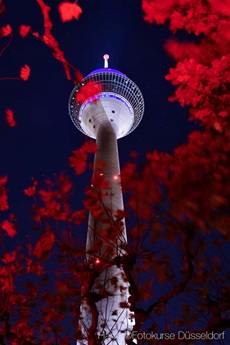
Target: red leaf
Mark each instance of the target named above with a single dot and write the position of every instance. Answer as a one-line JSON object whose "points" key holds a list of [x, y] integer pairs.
{"points": [[120, 214], [25, 72], [33, 267], [36, 34], [78, 161], [9, 257], [127, 174], [90, 146], [65, 185], [30, 191], [10, 118], [89, 90], [79, 217], [124, 305], [2, 8], [44, 244], [69, 11], [134, 154], [78, 77], [5, 31], [97, 213], [9, 228], [24, 30], [3, 194], [50, 40], [6, 280]]}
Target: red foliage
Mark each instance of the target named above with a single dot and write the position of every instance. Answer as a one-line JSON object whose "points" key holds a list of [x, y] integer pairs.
{"points": [[36, 34], [10, 118], [202, 73], [50, 40], [9, 257], [196, 180], [128, 176], [203, 52], [69, 11], [134, 154], [78, 77], [7, 282], [99, 182], [53, 198], [8, 226], [30, 191], [25, 72], [2, 8], [79, 159], [33, 267], [87, 91], [205, 88], [3, 194], [78, 217], [44, 245], [5, 31], [90, 146], [24, 30], [195, 17]]}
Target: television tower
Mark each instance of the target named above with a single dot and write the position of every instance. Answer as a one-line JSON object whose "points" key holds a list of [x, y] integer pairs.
{"points": [[112, 112]]}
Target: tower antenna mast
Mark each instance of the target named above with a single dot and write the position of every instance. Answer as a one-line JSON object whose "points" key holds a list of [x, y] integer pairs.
{"points": [[106, 60]]}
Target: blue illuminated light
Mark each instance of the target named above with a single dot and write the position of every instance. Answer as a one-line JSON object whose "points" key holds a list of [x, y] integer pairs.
{"points": [[105, 70]]}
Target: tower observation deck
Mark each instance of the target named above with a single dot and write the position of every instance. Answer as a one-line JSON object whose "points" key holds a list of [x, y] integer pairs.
{"points": [[111, 112]]}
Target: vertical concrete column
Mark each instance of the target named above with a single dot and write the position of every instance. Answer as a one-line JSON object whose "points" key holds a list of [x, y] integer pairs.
{"points": [[104, 242], [105, 235]]}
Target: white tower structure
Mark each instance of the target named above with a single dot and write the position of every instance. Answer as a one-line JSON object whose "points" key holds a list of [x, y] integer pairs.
{"points": [[113, 112]]}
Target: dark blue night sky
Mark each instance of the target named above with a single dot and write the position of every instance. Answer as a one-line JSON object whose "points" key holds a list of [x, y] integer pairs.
{"points": [[44, 137]]}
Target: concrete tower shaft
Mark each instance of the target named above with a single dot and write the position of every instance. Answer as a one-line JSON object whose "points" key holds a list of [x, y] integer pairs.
{"points": [[106, 236], [106, 241], [114, 111]]}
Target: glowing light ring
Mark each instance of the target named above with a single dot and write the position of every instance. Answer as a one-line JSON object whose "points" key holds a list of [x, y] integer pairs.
{"points": [[114, 83]]}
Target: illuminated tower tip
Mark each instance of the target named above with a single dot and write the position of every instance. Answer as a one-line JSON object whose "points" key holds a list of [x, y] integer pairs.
{"points": [[106, 58]]}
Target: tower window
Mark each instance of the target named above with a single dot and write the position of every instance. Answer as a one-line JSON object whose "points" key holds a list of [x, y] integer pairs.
{"points": [[113, 111], [90, 120]]}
